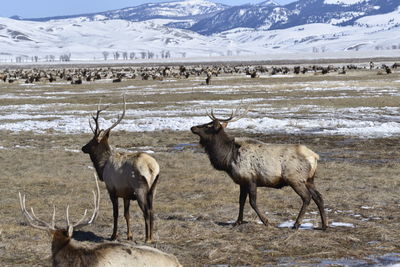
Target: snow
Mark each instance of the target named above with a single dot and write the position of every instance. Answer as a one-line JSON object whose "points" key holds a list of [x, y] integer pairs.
{"points": [[342, 224], [87, 40], [290, 223], [342, 2], [388, 19], [180, 116]]}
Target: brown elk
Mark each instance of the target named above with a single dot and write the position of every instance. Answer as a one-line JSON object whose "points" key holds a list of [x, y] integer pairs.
{"points": [[69, 252], [131, 176], [251, 164]]}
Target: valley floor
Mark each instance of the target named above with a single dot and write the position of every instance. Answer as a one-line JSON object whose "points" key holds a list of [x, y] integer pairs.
{"points": [[352, 121]]}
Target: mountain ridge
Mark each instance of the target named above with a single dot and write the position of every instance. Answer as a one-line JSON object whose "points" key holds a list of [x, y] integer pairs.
{"points": [[235, 31]]}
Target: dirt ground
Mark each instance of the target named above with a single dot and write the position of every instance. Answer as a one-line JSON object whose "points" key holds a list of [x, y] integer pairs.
{"points": [[195, 205]]}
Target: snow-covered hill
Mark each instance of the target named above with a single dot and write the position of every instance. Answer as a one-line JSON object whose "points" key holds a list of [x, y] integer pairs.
{"points": [[244, 30], [192, 9]]}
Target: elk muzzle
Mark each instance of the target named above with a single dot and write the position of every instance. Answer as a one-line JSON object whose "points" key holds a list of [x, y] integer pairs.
{"points": [[85, 149]]}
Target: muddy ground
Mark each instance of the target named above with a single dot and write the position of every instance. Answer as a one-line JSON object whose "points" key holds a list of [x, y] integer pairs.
{"points": [[195, 205]]}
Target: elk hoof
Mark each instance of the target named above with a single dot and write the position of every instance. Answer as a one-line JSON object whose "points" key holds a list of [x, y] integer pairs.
{"points": [[130, 237], [113, 237], [264, 220], [323, 228], [150, 241], [237, 223], [296, 226]]}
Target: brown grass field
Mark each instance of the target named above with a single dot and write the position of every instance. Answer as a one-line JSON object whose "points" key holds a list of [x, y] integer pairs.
{"points": [[357, 176]]}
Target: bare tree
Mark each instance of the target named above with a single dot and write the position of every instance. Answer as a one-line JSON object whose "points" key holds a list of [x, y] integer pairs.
{"points": [[105, 55]]}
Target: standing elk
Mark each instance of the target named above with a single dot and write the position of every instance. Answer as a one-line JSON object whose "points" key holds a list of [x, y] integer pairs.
{"points": [[131, 176], [251, 164], [69, 252]]}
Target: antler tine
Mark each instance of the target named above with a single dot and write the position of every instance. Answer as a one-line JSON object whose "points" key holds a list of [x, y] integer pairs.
{"points": [[32, 219], [67, 217], [212, 117], [91, 127], [119, 117], [96, 131], [96, 198], [234, 117]]}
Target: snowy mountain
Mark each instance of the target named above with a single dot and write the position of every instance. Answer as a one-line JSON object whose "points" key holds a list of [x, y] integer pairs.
{"points": [[270, 15], [186, 9], [264, 28]]}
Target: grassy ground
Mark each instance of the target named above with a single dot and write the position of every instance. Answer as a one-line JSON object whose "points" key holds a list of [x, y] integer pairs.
{"points": [[358, 178]]}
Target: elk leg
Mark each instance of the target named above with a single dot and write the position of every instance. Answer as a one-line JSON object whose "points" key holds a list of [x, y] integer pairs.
{"points": [[317, 197], [302, 191], [144, 206], [151, 214], [126, 215], [244, 191], [114, 200], [253, 202], [150, 196]]}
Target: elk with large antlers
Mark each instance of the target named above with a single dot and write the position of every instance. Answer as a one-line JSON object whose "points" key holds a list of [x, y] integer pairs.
{"points": [[251, 164], [131, 176], [68, 252]]}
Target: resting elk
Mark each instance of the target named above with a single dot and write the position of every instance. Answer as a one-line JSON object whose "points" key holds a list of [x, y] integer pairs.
{"points": [[251, 164], [69, 252], [131, 176]]}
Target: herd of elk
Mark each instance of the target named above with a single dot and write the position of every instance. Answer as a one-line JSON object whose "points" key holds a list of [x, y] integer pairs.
{"points": [[118, 74], [133, 176], [68, 252], [251, 164], [130, 176]]}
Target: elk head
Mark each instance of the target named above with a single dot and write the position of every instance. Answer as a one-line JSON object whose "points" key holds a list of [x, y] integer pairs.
{"points": [[60, 235], [208, 131], [99, 142]]}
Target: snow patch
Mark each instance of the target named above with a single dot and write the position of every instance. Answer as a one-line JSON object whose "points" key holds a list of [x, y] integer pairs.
{"points": [[290, 224], [342, 224]]}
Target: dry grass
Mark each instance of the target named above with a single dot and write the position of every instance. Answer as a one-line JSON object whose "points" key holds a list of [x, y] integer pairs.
{"points": [[359, 179]]}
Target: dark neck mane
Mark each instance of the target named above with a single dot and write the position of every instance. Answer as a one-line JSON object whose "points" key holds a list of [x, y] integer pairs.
{"points": [[99, 161], [221, 150]]}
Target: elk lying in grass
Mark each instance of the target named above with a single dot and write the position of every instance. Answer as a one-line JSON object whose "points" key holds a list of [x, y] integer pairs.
{"points": [[131, 176], [69, 252], [251, 164]]}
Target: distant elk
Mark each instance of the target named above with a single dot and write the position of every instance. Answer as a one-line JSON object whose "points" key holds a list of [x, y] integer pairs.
{"points": [[131, 176], [251, 164], [69, 252]]}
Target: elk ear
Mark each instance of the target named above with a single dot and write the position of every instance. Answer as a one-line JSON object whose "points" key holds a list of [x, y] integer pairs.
{"points": [[224, 124], [107, 134], [51, 233], [103, 136]]}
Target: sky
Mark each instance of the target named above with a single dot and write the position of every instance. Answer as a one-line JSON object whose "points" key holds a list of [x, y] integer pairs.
{"points": [[49, 8]]}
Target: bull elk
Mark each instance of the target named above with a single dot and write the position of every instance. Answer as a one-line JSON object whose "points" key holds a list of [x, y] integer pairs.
{"points": [[251, 164], [131, 176], [69, 252]]}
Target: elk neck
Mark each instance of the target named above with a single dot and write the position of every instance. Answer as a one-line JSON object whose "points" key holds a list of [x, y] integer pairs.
{"points": [[222, 151], [59, 243], [100, 158]]}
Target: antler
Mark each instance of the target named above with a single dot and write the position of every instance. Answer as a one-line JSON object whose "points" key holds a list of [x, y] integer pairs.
{"points": [[35, 222], [96, 131], [82, 222], [233, 117], [119, 117]]}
